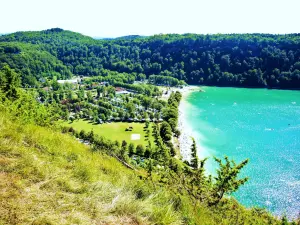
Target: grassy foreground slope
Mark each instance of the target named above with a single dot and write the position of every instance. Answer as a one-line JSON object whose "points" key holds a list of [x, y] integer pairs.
{"points": [[49, 178]]}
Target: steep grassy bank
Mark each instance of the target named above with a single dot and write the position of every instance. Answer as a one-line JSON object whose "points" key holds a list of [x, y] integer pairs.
{"points": [[49, 178]]}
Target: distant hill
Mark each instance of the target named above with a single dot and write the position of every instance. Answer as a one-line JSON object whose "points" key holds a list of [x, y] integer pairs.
{"points": [[50, 36], [103, 38], [130, 37], [243, 60]]}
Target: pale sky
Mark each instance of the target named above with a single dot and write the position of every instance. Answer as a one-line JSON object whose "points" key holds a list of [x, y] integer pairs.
{"points": [[113, 18]]}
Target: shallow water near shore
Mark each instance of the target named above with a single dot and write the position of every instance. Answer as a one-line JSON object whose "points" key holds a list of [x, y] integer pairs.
{"points": [[259, 124]]}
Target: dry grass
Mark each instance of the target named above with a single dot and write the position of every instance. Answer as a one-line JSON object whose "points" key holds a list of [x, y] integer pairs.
{"points": [[49, 178]]}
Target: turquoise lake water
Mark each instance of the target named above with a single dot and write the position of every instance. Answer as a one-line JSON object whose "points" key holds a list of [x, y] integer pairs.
{"points": [[259, 124]]}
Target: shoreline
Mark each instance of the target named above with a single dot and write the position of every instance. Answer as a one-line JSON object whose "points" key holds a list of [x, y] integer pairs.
{"points": [[185, 139], [186, 134]]}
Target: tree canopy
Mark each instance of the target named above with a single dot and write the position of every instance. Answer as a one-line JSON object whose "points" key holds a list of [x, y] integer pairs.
{"points": [[246, 60]]}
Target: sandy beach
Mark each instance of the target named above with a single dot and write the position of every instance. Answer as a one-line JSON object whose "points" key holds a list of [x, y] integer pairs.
{"points": [[185, 139], [184, 91]]}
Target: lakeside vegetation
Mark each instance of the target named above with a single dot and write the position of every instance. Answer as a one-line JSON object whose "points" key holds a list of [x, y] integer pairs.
{"points": [[107, 180]]}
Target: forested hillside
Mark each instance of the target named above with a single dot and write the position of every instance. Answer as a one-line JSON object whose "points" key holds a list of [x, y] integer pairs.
{"points": [[255, 60]]}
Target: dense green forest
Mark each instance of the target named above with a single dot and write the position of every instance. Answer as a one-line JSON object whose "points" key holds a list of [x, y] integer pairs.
{"points": [[246, 60]]}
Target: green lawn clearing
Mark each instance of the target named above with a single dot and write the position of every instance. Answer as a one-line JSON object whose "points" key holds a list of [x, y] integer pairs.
{"points": [[115, 131]]}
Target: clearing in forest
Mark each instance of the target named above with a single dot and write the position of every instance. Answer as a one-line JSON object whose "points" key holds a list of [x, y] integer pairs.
{"points": [[130, 132]]}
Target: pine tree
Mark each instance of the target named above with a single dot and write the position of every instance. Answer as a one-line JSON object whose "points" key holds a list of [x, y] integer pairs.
{"points": [[194, 159], [227, 180]]}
